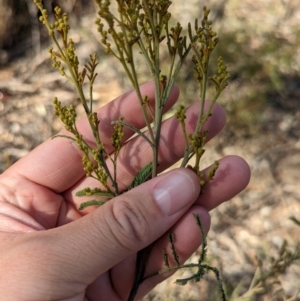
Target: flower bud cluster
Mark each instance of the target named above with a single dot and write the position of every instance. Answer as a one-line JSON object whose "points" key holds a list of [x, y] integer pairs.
{"points": [[205, 43], [198, 141], [67, 114], [61, 24], [220, 80], [56, 59], [180, 114], [117, 137]]}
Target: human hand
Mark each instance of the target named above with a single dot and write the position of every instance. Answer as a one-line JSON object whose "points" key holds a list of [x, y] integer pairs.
{"points": [[51, 251]]}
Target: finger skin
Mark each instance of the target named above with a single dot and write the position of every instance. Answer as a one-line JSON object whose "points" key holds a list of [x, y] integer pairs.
{"points": [[98, 250], [187, 240], [89, 247], [232, 176], [137, 153], [71, 257], [56, 165], [64, 166], [232, 169]]}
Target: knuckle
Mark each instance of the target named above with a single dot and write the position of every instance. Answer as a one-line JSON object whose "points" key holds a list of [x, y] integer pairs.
{"points": [[132, 223]]}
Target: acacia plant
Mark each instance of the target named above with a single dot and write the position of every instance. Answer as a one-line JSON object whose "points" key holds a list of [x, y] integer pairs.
{"points": [[127, 29]]}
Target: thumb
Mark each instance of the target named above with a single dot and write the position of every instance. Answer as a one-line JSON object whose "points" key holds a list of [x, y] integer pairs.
{"points": [[93, 244]]}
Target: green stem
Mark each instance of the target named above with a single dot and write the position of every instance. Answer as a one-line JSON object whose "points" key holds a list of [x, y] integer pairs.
{"points": [[133, 76], [201, 117]]}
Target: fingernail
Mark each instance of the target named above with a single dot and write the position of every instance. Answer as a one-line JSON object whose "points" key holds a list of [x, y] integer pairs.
{"points": [[174, 192]]}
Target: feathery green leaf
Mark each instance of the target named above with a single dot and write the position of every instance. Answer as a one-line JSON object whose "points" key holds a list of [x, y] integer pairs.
{"points": [[95, 192], [91, 203], [142, 176]]}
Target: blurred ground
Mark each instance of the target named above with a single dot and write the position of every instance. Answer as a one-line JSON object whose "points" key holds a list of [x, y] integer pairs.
{"points": [[260, 41]]}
